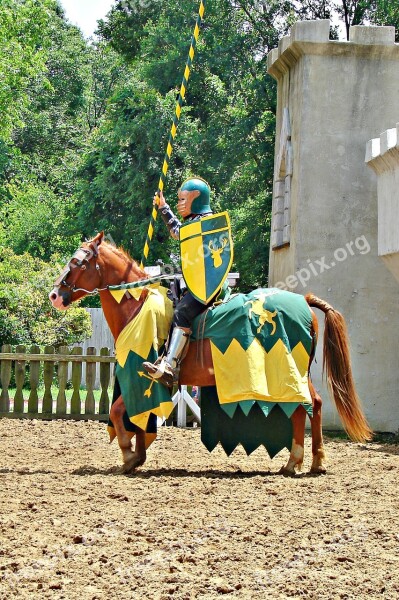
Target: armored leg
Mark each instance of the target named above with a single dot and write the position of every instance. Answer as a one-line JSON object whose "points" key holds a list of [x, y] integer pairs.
{"points": [[167, 368]]}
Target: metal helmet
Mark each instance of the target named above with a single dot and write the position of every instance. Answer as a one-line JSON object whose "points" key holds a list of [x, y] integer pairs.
{"points": [[201, 204]]}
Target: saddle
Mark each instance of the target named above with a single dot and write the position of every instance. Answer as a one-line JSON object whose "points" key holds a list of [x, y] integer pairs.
{"points": [[197, 366]]}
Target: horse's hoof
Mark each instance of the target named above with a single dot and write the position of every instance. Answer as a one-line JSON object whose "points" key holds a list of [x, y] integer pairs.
{"points": [[287, 472], [320, 470], [128, 468], [120, 470], [131, 465]]}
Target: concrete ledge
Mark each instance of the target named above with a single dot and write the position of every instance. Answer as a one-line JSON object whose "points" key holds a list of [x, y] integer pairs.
{"points": [[389, 139], [272, 58], [312, 37], [372, 150], [314, 32], [360, 34], [311, 31], [382, 153], [283, 44]]}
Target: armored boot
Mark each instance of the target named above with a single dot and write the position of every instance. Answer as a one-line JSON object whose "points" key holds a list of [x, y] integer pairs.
{"points": [[166, 369]]}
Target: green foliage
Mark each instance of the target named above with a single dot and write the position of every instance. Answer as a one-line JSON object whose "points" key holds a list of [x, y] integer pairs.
{"points": [[106, 71], [121, 170], [53, 120], [38, 170], [229, 98], [84, 127], [26, 316], [386, 12], [36, 220], [23, 46]]}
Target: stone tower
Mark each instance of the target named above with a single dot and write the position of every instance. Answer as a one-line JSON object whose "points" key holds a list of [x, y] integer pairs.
{"points": [[333, 97]]}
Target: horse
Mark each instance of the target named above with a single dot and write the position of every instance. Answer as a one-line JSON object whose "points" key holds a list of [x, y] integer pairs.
{"points": [[97, 265]]}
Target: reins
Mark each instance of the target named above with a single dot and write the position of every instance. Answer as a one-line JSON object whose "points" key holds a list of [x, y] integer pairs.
{"points": [[125, 286], [82, 257]]}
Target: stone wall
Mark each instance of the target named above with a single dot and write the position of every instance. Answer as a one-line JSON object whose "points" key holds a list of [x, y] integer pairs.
{"points": [[334, 96]]}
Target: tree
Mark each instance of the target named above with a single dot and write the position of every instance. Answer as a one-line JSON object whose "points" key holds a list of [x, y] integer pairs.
{"points": [[106, 70], [23, 26], [37, 219], [121, 170], [26, 316], [386, 12], [66, 101], [230, 98]]}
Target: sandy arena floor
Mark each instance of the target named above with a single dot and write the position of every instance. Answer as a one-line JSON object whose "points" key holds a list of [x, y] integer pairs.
{"points": [[191, 524]]}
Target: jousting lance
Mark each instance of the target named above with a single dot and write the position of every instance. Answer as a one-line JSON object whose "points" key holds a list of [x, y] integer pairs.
{"points": [[173, 130]]}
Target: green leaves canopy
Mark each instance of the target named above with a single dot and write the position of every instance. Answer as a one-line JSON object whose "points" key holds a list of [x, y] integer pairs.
{"points": [[84, 125], [23, 45], [26, 316], [226, 131]]}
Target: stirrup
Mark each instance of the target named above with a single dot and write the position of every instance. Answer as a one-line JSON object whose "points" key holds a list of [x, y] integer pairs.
{"points": [[166, 370], [161, 371]]}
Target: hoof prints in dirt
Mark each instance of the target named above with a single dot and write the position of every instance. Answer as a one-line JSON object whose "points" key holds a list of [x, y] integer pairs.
{"points": [[189, 524]]}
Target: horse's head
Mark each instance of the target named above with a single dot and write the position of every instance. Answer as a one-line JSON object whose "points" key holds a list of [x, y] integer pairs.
{"points": [[81, 275]]}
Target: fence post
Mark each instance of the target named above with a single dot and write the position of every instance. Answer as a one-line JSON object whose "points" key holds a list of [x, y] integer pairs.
{"points": [[5, 378], [76, 382], [62, 381], [19, 380], [34, 372], [90, 382], [48, 375], [105, 373]]}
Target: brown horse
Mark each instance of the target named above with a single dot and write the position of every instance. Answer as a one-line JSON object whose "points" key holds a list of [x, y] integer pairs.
{"points": [[98, 265]]}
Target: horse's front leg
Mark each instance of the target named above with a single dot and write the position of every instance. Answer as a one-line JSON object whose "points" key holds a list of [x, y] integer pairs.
{"points": [[131, 460], [298, 441], [319, 455]]}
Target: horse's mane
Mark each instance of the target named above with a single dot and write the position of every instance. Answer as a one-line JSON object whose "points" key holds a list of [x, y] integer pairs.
{"points": [[124, 254]]}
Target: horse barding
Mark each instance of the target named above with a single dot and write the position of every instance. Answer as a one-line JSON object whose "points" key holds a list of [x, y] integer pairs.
{"points": [[250, 355]]}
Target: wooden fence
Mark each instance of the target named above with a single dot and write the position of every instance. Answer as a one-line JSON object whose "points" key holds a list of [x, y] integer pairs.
{"points": [[55, 383], [48, 385], [101, 337]]}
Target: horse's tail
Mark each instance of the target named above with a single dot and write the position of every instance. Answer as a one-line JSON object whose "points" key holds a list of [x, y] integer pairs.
{"points": [[337, 367]]}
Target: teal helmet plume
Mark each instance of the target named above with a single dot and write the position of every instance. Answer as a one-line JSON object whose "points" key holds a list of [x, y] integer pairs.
{"points": [[201, 204]]}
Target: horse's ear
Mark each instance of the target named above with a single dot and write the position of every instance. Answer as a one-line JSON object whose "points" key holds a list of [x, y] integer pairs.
{"points": [[96, 241], [98, 238]]}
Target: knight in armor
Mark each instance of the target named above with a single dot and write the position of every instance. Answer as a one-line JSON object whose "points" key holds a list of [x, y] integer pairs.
{"points": [[193, 204]]}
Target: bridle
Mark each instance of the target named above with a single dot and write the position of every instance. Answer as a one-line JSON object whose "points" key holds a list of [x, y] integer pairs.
{"points": [[82, 259]]}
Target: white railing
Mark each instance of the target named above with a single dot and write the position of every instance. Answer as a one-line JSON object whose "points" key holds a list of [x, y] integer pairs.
{"points": [[182, 400]]}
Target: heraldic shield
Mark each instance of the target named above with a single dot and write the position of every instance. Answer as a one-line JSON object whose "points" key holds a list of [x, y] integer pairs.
{"points": [[206, 248]]}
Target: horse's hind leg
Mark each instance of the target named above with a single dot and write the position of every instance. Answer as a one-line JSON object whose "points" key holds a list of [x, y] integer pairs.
{"points": [[319, 455], [298, 441]]}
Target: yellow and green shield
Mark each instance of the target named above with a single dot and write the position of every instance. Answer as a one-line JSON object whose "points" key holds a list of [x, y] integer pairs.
{"points": [[206, 248]]}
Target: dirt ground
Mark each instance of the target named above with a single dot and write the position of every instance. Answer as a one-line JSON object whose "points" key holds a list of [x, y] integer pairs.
{"points": [[191, 524]]}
